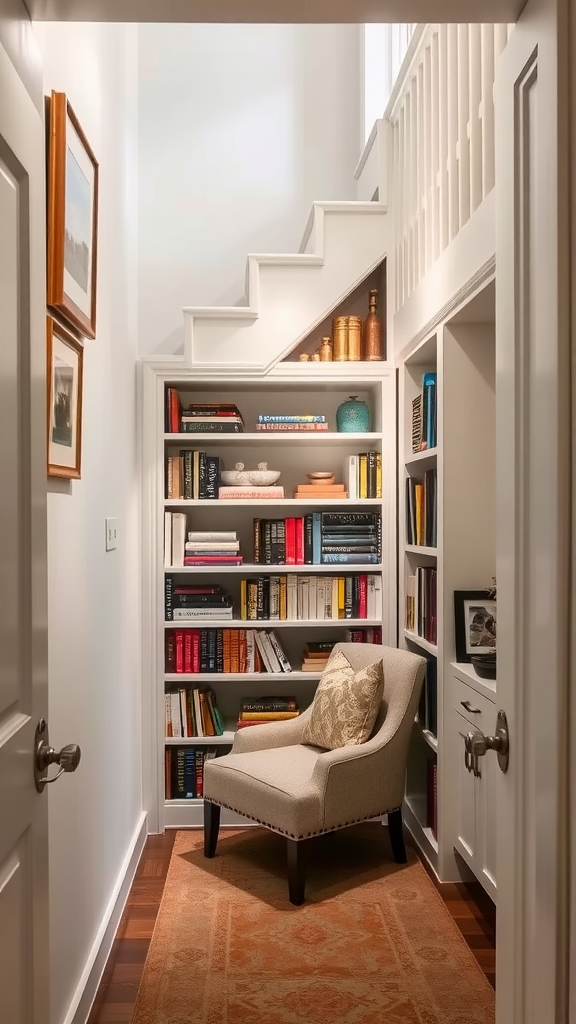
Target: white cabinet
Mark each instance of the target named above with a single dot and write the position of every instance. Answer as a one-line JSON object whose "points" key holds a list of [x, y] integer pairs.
{"points": [[475, 795]]}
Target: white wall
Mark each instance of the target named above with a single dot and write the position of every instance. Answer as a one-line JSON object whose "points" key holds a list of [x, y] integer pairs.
{"points": [[241, 128], [93, 595]]}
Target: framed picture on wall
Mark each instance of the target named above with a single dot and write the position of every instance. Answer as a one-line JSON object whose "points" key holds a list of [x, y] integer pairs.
{"points": [[474, 623], [65, 357], [72, 219]]}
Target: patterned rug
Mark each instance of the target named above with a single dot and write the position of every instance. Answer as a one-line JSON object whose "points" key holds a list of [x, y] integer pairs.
{"points": [[373, 944]]}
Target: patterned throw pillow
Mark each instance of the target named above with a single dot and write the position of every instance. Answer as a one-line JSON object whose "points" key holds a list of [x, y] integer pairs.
{"points": [[345, 705]]}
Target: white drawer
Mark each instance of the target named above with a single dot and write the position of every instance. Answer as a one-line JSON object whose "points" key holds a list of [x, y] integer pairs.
{"points": [[473, 706]]}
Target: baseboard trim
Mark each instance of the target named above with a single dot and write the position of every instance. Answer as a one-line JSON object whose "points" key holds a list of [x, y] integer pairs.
{"points": [[85, 994]]}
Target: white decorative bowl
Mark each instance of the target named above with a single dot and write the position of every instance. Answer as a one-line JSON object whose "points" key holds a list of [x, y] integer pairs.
{"points": [[240, 477]]}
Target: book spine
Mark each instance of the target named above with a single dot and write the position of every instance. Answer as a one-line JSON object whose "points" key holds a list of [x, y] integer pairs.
{"points": [[265, 418], [335, 558], [168, 587], [279, 652]]}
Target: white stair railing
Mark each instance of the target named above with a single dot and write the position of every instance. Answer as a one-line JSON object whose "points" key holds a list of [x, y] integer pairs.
{"points": [[442, 115]]}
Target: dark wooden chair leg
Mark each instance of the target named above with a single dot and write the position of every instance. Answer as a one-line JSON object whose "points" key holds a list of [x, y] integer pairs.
{"points": [[296, 872], [211, 827], [397, 836]]}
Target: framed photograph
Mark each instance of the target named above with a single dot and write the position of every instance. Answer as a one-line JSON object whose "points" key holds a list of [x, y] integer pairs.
{"points": [[72, 219], [474, 622], [64, 401]]}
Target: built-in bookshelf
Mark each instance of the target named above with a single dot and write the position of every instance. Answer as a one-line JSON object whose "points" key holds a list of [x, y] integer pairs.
{"points": [[446, 458], [306, 596]]}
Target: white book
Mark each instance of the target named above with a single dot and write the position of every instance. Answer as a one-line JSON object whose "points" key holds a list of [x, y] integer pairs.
{"points": [[321, 583], [334, 597], [175, 714], [370, 602], [312, 591], [167, 714], [197, 713], [351, 475], [272, 657], [274, 609], [212, 545], [178, 537], [377, 597], [226, 535], [183, 712], [292, 597], [179, 614], [167, 539], [262, 650], [279, 651]]}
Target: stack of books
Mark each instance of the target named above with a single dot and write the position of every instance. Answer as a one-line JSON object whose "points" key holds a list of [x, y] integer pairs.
{"points": [[372, 635], [196, 601], [421, 505], [315, 655], [257, 710], [421, 611], [234, 492], [212, 417], [349, 537], [363, 475], [192, 712], [222, 650], [184, 771], [424, 415], [293, 422], [324, 489], [212, 548], [192, 474]]}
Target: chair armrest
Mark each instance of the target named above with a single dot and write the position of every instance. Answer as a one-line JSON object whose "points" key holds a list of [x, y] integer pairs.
{"points": [[270, 734]]}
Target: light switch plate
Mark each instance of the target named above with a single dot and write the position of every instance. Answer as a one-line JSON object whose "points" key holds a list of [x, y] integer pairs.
{"points": [[111, 534]]}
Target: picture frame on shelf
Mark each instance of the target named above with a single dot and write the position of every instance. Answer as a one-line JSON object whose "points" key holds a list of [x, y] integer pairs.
{"points": [[64, 378], [72, 198], [474, 623]]}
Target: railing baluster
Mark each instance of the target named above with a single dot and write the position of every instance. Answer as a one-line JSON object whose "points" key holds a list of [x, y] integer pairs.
{"points": [[463, 119], [427, 219], [474, 126], [487, 107], [435, 147], [444, 145], [452, 72]]}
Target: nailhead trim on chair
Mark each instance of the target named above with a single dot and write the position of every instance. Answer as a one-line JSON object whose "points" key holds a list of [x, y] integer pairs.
{"points": [[306, 835]]}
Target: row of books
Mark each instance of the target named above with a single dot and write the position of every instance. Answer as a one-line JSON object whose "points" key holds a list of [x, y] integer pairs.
{"points": [[421, 509], [184, 771], [428, 706], [192, 474], [421, 603], [192, 712], [319, 538], [225, 650], [198, 547], [363, 475], [258, 710], [424, 415], [291, 422], [292, 597], [183, 601], [213, 417]]}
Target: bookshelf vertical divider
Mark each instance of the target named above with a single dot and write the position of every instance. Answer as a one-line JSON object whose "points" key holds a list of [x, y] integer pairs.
{"points": [[288, 388]]}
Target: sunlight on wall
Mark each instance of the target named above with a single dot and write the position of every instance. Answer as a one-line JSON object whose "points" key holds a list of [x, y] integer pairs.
{"points": [[384, 48]]}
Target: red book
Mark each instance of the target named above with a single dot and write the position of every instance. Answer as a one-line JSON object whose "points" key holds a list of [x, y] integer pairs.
{"points": [[300, 540], [187, 650], [174, 412], [195, 650], [362, 597], [290, 540], [179, 640]]}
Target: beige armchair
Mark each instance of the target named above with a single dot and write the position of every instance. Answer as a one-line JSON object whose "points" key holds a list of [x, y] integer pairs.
{"points": [[300, 791]]}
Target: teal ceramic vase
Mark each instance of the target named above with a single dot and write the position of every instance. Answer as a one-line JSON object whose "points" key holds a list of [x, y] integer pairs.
{"points": [[353, 416]]}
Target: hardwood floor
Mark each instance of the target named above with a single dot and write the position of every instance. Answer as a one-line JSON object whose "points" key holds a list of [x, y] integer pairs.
{"points": [[471, 909]]}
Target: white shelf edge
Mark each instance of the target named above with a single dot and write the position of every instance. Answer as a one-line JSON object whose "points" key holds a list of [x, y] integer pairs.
{"points": [[427, 736], [422, 834], [418, 549], [225, 740], [467, 674], [190, 814], [269, 502], [284, 436], [251, 677], [429, 454], [269, 623], [261, 570], [421, 642]]}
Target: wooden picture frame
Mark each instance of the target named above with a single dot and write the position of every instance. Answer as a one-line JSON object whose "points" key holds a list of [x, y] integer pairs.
{"points": [[474, 622], [64, 380], [72, 219]]}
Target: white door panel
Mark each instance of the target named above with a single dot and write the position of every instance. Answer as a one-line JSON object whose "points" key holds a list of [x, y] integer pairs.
{"points": [[23, 629]]}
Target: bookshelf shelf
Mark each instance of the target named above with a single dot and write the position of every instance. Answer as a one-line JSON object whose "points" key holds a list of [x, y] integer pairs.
{"points": [[417, 549], [270, 624], [427, 736], [422, 459], [292, 389], [424, 644], [256, 569]]}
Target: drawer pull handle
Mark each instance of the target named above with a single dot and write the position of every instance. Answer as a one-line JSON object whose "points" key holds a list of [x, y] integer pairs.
{"points": [[473, 711]]}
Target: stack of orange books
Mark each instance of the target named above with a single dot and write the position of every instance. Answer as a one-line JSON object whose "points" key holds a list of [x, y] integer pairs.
{"points": [[321, 485]]}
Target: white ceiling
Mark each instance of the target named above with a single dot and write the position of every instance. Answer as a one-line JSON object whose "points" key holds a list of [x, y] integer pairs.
{"points": [[277, 11]]}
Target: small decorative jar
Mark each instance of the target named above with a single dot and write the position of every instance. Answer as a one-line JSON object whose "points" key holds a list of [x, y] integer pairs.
{"points": [[326, 350], [353, 416]]}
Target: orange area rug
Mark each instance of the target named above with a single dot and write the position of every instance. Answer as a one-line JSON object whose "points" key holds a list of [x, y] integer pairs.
{"points": [[373, 944]]}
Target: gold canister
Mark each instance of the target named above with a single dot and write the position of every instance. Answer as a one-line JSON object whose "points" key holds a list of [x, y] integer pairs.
{"points": [[304, 357], [315, 357], [354, 339], [326, 350], [340, 339]]}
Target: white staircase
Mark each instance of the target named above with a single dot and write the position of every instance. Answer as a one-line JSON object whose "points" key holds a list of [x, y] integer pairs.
{"points": [[288, 295]]}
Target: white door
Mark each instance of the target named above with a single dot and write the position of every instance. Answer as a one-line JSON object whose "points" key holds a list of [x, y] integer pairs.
{"points": [[533, 505], [23, 626]]}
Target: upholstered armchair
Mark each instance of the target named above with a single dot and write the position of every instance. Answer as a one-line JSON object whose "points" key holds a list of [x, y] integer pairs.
{"points": [[299, 790]]}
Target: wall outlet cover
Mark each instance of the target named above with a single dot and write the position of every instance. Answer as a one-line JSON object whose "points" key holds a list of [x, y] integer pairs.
{"points": [[111, 534]]}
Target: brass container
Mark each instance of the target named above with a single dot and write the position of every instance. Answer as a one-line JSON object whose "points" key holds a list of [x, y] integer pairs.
{"points": [[315, 357], [340, 339], [373, 348], [326, 350], [304, 357], [354, 339]]}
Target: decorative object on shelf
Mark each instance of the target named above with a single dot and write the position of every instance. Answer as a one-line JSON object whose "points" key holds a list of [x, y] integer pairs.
{"points": [[320, 478], [64, 401], [304, 357], [240, 477], [484, 665], [353, 416], [315, 357], [474, 623], [72, 219], [354, 340], [373, 348], [326, 350], [340, 339]]}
